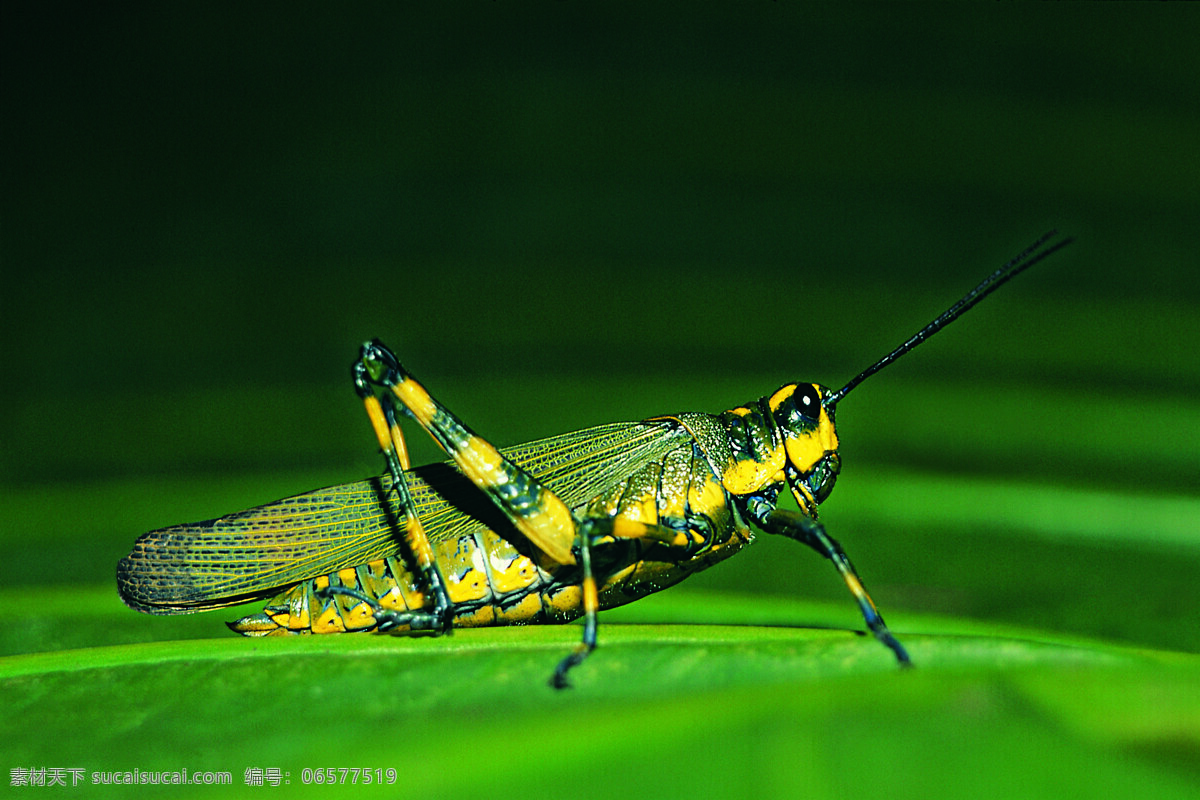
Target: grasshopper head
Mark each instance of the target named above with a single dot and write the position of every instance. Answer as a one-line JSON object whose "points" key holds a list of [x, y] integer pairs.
{"points": [[810, 442]]}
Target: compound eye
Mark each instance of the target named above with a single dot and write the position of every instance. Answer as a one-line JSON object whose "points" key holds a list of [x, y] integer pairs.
{"points": [[807, 401]]}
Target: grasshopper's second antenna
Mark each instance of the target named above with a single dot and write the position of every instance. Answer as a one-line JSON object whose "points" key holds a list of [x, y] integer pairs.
{"points": [[1027, 258]]}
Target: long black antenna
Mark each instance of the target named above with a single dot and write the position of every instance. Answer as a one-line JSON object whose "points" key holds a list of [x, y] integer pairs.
{"points": [[1028, 257]]}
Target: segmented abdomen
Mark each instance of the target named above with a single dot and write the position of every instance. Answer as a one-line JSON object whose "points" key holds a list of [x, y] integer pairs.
{"points": [[489, 583]]}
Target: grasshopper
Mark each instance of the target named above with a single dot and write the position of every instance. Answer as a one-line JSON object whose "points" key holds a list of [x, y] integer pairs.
{"points": [[542, 532]]}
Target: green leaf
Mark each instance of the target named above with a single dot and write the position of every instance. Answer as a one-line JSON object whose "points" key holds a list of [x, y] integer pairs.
{"points": [[720, 710]]}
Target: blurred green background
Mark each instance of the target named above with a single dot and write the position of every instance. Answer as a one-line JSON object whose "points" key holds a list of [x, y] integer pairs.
{"points": [[562, 215]]}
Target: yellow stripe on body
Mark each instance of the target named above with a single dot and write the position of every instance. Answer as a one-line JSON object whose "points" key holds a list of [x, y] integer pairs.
{"points": [[360, 617], [526, 610], [298, 608], [641, 508], [508, 571], [562, 603], [463, 566], [625, 528], [329, 621], [707, 498]]}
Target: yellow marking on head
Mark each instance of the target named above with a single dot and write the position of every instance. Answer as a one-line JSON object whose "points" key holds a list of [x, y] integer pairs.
{"points": [[740, 411], [748, 475], [828, 432], [803, 452], [781, 395]]}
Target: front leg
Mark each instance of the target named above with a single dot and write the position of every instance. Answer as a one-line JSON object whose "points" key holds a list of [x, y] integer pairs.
{"points": [[805, 529]]}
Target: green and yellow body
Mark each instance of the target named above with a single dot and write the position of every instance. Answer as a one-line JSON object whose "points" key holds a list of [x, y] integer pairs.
{"points": [[543, 532], [653, 472]]}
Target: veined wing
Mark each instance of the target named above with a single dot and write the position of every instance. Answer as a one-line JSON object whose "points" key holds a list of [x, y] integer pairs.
{"points": [[250, 554]]}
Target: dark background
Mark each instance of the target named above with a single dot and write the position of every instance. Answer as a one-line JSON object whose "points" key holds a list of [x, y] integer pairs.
{"points": [[562, 215], [567, 214]]}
